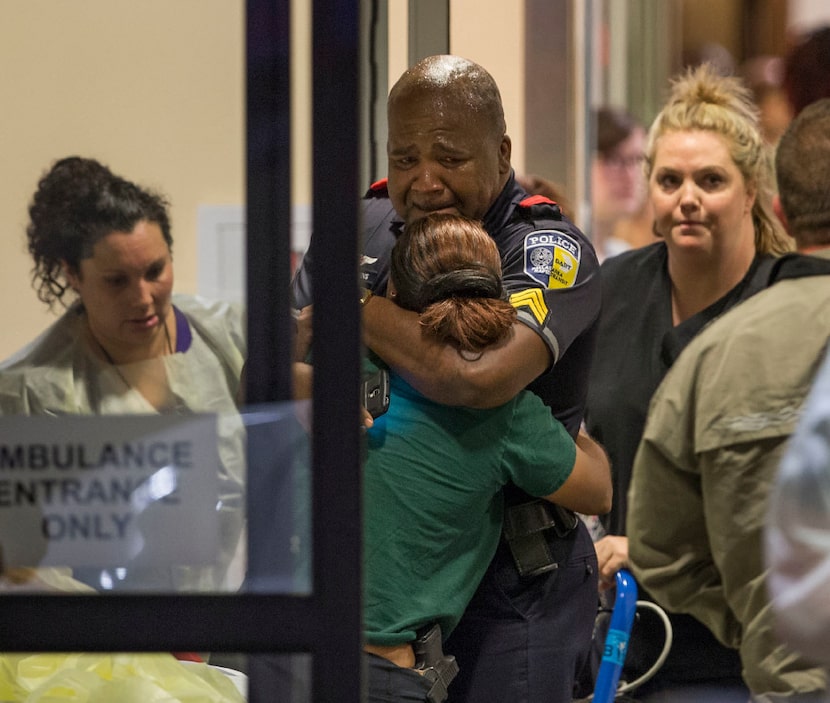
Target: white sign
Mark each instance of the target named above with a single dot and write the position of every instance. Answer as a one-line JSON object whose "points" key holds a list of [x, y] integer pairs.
{"points": [[108, 491]]}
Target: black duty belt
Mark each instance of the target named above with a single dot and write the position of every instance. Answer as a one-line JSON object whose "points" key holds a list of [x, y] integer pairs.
{"points": [[526, 530]]}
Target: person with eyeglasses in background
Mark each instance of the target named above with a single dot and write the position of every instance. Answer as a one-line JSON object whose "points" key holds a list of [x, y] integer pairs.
{"points": [[618, 183], [620, 214]]}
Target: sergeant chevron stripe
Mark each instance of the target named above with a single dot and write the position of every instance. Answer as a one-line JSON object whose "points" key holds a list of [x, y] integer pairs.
{"points": [[534, 300]]}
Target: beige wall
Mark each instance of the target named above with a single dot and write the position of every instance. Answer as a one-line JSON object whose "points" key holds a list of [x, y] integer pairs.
{"points": [[153, 88], [495, 39]]}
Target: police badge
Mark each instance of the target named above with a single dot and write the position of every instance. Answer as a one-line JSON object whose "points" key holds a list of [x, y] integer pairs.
{"points": [[552, 258]]}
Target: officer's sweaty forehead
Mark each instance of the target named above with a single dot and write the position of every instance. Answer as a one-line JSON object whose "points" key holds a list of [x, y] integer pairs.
{"points": [[443, 71], [461, 81]]}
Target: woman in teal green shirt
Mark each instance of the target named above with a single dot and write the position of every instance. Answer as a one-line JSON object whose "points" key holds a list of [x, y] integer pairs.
{"points": [[433, 473]]}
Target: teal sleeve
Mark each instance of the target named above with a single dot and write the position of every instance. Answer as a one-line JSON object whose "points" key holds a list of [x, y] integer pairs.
{"points": [[539, 454]]}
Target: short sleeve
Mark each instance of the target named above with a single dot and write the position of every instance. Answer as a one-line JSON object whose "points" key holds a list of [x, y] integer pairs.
{"points": [[539, 454]]}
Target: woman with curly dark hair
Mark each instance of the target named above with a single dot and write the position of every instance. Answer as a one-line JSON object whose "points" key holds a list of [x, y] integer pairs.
{"points": [[101, 247]]}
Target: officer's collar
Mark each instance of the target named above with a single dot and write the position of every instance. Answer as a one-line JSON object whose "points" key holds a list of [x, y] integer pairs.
{"points": [[499, 213]]}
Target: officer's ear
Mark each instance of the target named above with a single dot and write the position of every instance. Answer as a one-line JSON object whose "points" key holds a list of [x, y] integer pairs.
{"points": [[505, 150]]}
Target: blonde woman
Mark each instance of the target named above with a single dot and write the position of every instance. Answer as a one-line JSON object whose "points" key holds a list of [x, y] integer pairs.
{"points": [[710, 184]]}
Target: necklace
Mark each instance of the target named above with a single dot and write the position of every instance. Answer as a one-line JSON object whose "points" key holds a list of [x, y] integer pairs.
{"points": [[116, 367]]}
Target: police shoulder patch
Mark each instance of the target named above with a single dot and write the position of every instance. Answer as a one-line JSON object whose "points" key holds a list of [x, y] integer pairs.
{"points": [[552, 257]]}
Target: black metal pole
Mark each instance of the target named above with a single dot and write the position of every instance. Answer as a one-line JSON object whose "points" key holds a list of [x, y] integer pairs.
{"points": [[337, 348]]}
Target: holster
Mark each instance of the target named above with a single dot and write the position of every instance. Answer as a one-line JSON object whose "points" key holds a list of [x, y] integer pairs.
{"points": [[431, 662], [526, 529]]}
